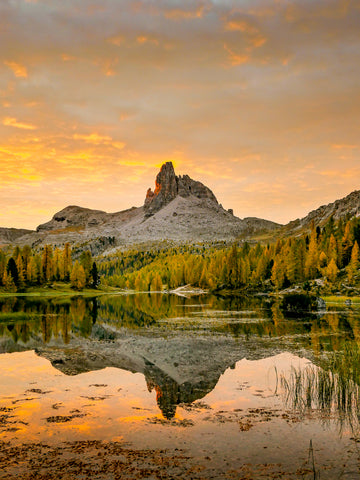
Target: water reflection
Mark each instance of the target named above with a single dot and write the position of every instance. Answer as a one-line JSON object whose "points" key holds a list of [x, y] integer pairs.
{"points": [[181, 345], [332, 389]]}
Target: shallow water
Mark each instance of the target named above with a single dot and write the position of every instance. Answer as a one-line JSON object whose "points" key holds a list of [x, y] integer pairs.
{"points": [[241, 388]]}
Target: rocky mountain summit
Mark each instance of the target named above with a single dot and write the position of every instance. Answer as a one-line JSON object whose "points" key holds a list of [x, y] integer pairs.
{"points": [[179, 209], [168, 186]]}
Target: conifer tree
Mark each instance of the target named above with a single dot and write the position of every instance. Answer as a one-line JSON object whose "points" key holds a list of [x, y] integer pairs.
{"points": [[278, 274], [8, 282], [47, 264], [3, 264], [26, 255], [156, 284], [32, 271], [347, 243], [16, 252], [57, 264], [21, 272], [332, 271], [333, 250], [311, 263], [95, 279], [13, 271], [66, 263], [77, 276], [86, 262], [233, 263], [353, 267]]}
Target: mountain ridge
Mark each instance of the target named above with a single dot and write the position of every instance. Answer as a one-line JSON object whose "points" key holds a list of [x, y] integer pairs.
{"points": [[179, 209], [346, 206]]}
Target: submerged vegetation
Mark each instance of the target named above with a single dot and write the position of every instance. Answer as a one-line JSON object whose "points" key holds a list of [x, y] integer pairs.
{"points": [[333, 389]]}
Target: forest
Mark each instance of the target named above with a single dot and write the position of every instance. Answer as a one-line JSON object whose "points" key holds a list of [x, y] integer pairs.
{"points": [[28, 268], [325, 259]]}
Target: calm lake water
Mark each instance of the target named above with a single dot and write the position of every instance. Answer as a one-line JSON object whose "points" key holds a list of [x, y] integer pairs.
{"points": [[230, 387]]}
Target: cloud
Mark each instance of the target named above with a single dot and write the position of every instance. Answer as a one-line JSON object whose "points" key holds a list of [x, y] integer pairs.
{"points": [[141, 39], [344, 147], [119, 87], [18, 70], [185, 14], [93, 138], [117, 40], [97, 139], [236, 58], [12, 122]]}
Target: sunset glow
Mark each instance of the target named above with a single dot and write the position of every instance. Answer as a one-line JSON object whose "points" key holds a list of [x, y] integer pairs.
{"points": [[257, 99]]}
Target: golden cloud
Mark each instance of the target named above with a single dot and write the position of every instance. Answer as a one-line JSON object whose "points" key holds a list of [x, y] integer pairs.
{"points": [[12, 122], [180, 14], [116, 40], [146, 39], [18, 70], [236, 58], [96, 139]]}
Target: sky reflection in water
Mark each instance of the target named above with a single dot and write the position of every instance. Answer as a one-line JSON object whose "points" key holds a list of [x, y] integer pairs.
{"points": [[149, 388]]}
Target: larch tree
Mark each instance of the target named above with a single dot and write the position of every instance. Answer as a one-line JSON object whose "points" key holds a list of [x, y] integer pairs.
{"points": [[347, 243], [47, 264], [86, 262], [353, 267], [66, 263], [311, 263], [77, 276], [8, 282], [332, 271]]}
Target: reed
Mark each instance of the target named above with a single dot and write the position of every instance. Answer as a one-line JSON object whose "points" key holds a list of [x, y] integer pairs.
{"points": [[333, 389]]}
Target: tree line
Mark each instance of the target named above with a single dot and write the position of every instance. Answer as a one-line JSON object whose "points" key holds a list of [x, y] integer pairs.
{"points": [[26, 268], [330, 253]]}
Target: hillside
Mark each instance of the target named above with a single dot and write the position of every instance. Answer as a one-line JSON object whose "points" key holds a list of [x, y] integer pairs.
{"points": [[348, 206], [10, 235]]}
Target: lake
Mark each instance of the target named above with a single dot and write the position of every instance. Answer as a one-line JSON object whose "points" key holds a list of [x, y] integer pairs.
{"points": [[169, 386]]}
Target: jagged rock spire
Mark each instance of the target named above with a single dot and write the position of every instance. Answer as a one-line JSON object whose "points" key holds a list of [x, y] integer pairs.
{"points": [[168, 186]]}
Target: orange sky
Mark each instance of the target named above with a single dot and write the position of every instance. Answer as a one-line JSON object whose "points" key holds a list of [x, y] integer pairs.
{"points": [[258, 99]]}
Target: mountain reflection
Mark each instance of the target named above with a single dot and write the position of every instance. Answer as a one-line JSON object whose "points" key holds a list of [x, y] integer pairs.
{"points": [[181, 345]]}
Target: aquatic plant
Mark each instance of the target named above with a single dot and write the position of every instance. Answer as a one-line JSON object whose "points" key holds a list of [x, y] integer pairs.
{"points": [[332, 389]]}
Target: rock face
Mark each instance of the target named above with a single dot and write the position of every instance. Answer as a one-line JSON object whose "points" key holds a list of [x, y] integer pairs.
{"points": [[168, 186]]}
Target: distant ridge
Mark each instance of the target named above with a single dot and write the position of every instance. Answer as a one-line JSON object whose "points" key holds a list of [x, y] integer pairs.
{"points": [[347, 206], [10, 235]]}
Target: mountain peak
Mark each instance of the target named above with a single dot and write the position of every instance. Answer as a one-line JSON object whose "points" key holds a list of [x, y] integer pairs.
{"points": [[168, 186]]}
